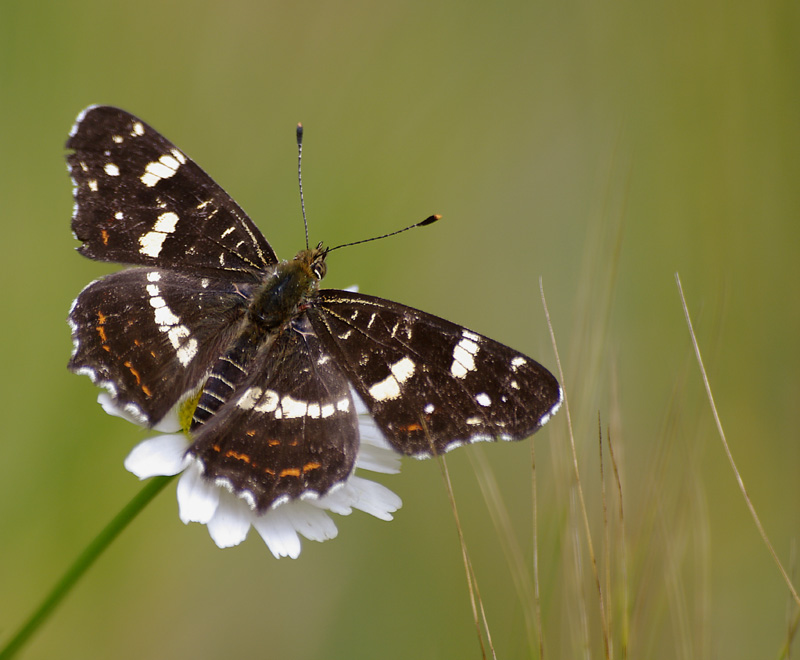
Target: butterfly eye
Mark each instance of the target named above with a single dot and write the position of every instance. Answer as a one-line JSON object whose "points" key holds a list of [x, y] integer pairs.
{"points": [[319, 269]]}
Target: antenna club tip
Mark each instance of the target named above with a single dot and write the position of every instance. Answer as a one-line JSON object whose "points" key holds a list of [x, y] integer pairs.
{"points": [[430, 219], [299, 132]]}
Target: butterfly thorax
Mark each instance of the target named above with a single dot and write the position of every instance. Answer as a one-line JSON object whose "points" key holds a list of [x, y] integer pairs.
{"points": [[286, 290]]}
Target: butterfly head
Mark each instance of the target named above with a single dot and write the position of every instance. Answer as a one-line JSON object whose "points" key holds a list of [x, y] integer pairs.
{"points": [[312, 261]]}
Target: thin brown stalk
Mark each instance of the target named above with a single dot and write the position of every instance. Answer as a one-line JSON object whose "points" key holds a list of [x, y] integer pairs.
{"points": [[727, 449], [585, 515]]}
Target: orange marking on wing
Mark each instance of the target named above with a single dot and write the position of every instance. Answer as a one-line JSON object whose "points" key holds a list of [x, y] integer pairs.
{"points": [[290, 472], [311, 466], [273, 443], [147, 391], [411, 427], [101, 320], [104, 234], [134, 372], [239, 457], [251, 433]]}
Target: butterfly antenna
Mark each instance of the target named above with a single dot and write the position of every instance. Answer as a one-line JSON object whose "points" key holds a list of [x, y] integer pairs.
{"points": [[300, 176], [427, 221]]}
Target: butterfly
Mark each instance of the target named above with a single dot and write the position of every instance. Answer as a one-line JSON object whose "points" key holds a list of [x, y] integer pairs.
{"points": [[273, 365]]}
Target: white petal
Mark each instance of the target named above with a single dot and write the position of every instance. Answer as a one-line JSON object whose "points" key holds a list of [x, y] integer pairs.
{"points": [[377, 459], [197, 498], [157, 456], [374, 453], [170, 423], [112, 408], [310, 521], [278, 533], [370, 434], [360, 406], [231, 521], [362, 494], [374, 498]]}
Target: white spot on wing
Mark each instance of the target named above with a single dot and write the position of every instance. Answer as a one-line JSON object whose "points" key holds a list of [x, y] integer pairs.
{"points": [[249, 399], [152, 242], [111, 169], [403, 369], [163, 168], [164, 315], [268, 402], [187, 351], [464, 354], [167, 321], [483, 399], [166, 222], [293, 408], [388, 388]]}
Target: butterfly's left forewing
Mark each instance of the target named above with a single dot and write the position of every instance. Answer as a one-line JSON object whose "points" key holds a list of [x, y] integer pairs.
{"points": [[140, 200], [432, 385]]}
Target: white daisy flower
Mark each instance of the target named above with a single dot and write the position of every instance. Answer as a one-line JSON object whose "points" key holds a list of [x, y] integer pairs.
{"points": [[229, 517]]}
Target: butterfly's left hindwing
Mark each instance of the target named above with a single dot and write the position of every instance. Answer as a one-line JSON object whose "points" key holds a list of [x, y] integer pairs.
{"points": [[149, 335], [430, 384]]}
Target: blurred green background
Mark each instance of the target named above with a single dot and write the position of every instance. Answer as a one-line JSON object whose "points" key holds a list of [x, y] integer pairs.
{"points": [[601, 146]]}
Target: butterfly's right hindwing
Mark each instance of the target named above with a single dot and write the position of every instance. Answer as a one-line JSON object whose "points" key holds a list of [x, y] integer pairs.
{"points": [[285, 428]]}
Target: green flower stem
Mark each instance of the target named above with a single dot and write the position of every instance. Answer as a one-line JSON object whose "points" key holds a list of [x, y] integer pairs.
{"points": [[82, 564]]}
